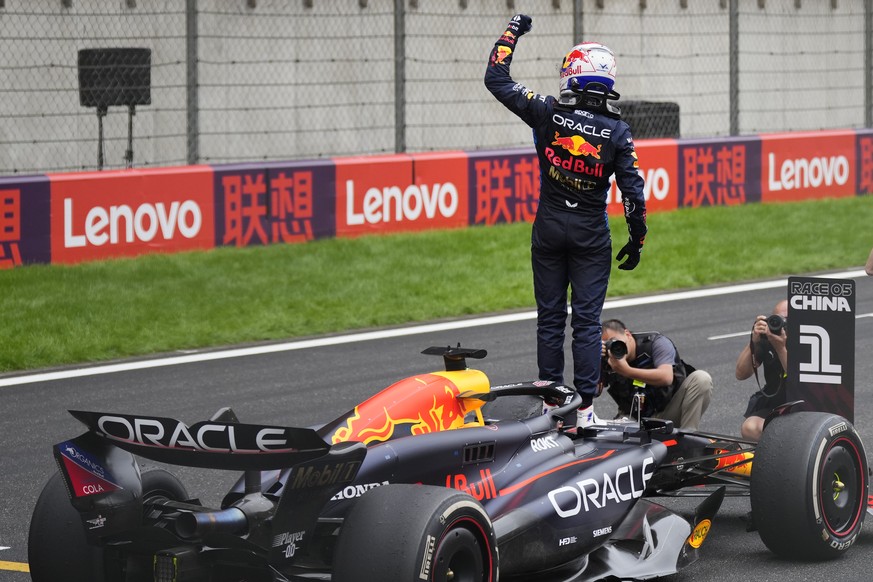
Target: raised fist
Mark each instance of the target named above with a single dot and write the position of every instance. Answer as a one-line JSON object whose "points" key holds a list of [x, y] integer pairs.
{"points": [[520, 24]]}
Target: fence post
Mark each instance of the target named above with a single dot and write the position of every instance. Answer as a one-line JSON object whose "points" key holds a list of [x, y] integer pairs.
{"points": [[399, 76], [192, 81], [578, 28], [868, 63], [734, 66]]}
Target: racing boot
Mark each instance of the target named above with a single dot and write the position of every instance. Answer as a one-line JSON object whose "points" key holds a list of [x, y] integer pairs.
{"points": [[586, 417]]}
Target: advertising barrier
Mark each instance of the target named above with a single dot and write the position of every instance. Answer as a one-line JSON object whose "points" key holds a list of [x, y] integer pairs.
{"points": [[504, 186], [259, 204], [25, 212], [76, 217], [127, 213]]}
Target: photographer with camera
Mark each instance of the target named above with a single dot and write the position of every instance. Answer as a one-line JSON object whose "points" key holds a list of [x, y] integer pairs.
{"points": [[648, 364], [767, 347]]}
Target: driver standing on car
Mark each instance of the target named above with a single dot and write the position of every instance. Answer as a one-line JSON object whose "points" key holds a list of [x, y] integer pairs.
{"points": [[648, 364], [767, 348], [581, 142]]}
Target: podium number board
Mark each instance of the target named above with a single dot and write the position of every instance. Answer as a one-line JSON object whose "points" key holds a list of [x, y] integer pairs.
{"points": [[821, 344]]}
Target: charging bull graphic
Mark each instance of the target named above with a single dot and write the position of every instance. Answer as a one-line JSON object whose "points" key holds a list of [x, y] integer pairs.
{"points": [[576, 145], [381, 419], [500, 54]]}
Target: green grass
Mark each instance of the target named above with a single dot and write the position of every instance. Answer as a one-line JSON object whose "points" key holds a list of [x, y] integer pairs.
{"points": [[54, 315]]}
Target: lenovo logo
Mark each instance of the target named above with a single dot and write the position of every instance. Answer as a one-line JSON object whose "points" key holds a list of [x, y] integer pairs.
{"points": [[123, 223], [391, 204], [807, 173]]}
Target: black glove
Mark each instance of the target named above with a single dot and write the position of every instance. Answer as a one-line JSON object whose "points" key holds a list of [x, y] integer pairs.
{"points": [[520, 24], [632, 251]]}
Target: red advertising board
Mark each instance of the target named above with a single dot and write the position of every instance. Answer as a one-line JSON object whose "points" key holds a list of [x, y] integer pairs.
{"points": [[400, 193], [444, 176], [659, 167], [807, 165], [131, 212]]}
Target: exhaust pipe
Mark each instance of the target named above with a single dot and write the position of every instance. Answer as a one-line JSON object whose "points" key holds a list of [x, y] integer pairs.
{"points": [[243, 517], [196, 524]]}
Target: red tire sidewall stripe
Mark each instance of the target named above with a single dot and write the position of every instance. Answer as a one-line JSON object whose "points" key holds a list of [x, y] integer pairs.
{"points": [[486, 539], [859, 511]]}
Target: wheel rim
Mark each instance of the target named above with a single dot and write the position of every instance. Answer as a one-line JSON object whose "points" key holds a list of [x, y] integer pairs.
{"points": [[458, 558], [840, 488]]}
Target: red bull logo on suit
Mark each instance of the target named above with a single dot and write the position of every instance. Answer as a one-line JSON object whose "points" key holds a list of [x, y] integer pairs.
{"points": [[577, 145]]}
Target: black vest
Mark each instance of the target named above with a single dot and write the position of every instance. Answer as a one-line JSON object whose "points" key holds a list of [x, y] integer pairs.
{"points": [[656, 399]]}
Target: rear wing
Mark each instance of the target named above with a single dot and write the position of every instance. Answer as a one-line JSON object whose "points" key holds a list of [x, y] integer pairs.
{"points": [[209, 444], [104, 483]]}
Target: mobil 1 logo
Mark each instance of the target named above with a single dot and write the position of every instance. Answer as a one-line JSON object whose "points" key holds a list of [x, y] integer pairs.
{"points": [[821, 344]]}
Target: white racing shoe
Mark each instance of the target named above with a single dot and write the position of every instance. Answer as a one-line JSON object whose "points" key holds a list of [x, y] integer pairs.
{"points": [[586, 417]]}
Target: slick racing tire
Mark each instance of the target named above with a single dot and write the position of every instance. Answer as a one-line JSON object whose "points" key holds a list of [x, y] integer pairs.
{"points": [[416, 532], [56, 545], [160, 484], [809, 486]]}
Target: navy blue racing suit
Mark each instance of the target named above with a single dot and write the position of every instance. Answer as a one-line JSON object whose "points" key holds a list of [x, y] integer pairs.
{"points": [[578, 151]]}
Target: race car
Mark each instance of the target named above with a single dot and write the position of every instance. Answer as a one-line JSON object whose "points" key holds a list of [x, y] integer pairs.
{"points": [[417, 483]]}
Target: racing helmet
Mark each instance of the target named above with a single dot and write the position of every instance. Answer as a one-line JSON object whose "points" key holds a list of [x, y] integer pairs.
{"points": [[589, 62]]}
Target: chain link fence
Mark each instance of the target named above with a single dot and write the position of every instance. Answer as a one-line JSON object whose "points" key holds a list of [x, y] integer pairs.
{"points": [[245, 80]]}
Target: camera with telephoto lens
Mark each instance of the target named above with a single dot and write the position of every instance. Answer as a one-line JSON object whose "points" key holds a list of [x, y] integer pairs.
{"points": [[776, 323], [616, 347]]}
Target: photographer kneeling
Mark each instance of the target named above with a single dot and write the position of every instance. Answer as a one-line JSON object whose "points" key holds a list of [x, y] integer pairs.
{"points": [[670, 388], [767, 346]]}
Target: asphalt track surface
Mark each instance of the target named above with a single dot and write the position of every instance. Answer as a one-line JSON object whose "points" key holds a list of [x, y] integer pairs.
{"points": [[315, 383]]}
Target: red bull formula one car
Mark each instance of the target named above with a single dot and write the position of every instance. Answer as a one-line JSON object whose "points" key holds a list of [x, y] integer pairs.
{"points": [[416, 483]]}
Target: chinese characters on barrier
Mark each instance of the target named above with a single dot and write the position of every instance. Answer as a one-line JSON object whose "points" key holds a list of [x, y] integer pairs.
{"points": [[865, 165], [506, 189], [714, 176], [251, 217], [10, 228]]}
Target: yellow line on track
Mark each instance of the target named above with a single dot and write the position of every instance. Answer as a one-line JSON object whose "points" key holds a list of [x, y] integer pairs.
{"points": [[15, 566]]}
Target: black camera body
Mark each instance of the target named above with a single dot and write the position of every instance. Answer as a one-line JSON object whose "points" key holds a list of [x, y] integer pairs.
{"points": [[776, 323], [616, 347]]}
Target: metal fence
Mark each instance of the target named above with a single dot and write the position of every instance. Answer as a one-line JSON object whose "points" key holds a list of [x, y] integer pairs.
{"points": [[243, 80]]}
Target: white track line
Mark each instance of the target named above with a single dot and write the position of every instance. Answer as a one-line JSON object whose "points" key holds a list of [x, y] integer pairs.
{"points": [[386, 333], [739, 333]]}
